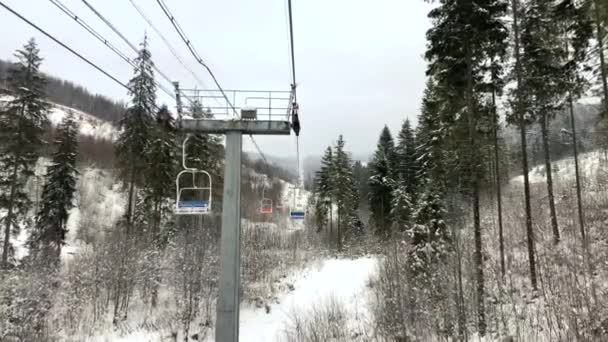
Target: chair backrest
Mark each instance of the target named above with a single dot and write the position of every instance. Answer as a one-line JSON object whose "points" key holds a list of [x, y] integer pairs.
{"points": [[193, 198], [266, 206]]}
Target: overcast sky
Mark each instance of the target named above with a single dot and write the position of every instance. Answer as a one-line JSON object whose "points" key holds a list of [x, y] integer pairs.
{"points": [[359, 63]]}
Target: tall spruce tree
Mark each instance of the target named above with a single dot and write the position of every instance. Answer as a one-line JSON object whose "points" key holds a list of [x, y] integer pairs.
{"points": [[161, 176], [427, 225], [154, 209], [57, 192], [520, 118], [577, 31], [462, 38], [361, 174], [22, 123], [545, 81], [382, 183], [430, 138], [323, 190], [401, 208], [136, 128], [407, 162], [344, 189], [428, 232]]}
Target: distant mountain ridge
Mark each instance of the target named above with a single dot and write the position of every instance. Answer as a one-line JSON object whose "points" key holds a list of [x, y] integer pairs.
{"points": [[71, 95]]}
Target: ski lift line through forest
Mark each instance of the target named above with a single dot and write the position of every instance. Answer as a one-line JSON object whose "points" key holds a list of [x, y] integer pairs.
{"points": [[193, 51], [295, 212], [131, 45], [227, 312]]}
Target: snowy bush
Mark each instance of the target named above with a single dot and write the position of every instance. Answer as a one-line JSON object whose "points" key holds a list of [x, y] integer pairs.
{"points": [[328, 320], [26, 298]]}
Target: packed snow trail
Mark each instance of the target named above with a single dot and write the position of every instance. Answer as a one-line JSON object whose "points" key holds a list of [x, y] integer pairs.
{"points": [[342, 279]]}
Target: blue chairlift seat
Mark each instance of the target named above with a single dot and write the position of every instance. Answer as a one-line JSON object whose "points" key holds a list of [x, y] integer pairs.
{"points": [[193, 204], [297, 215]]}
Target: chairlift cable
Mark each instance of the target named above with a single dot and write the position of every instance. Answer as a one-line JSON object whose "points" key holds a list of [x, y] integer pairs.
{"points": [[99, 37], [131, 45], [168, 44], [48, 35], [293, 60], [195, 54]]}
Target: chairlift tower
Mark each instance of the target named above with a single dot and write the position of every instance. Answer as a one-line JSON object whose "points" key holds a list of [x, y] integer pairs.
{"points": [[260, 113]]}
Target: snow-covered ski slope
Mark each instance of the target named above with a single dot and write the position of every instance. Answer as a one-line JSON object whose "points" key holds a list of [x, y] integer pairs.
{"points": [[342, 280], [98, 204], [563, 170], [89, 125]]}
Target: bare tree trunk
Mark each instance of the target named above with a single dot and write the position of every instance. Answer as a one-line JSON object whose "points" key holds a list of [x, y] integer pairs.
{"points": [[478, 259], [579, 201], [600, 43], [549, 176], [501, 241], [130, 197], [331, 219], [459, 293], [399, 289], [155, 245], [339, 231], [524, 151], [9, 217]]}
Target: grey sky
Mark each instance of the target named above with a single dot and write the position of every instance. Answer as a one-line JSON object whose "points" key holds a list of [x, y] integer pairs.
{"points": [[359, 63]]}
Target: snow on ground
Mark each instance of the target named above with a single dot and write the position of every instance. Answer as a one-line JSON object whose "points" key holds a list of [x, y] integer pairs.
{"points": [[98, 200], [99, 204], [20, 244], [590, 100], [342, 279], [137, 336], [589, 165], [88, 124]]}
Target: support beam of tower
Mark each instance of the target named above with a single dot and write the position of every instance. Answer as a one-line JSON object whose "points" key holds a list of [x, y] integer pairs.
{"points": [[254, 106], [247, 127], [227, 322]]}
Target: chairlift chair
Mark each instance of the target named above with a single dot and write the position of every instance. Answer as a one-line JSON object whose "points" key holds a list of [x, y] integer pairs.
{"points": [[296, 211], [193, 189], [297, 214], [266, 206], [193, 198]]}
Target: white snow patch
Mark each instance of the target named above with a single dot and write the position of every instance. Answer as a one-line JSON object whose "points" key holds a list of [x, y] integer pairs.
{"points": [[104, 204], [342, 279], [590, 100], [88, 124], [20, 244], [589, 168]]}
